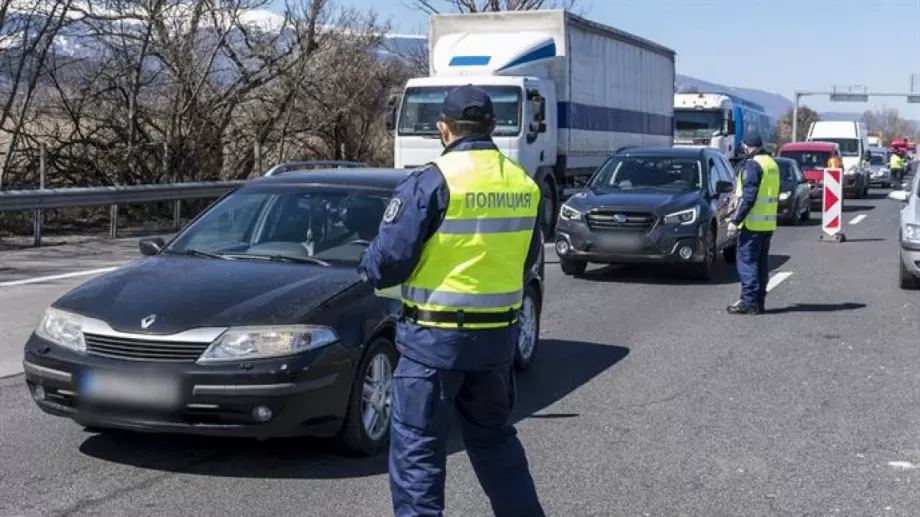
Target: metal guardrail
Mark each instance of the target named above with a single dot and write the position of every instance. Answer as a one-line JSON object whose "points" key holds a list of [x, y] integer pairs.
{"points": [[44, 199]]}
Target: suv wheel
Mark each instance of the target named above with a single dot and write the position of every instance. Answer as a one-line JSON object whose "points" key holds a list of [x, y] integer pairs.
{"points": [[703, 270], [573, 267], [529, 336]]}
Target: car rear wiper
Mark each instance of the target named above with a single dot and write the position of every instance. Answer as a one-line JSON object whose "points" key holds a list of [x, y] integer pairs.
{"points": [[197, 253], [286, 258]]}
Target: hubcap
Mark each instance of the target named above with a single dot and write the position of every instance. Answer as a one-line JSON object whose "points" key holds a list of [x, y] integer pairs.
{"points": [[527, 339], [377, 396]]}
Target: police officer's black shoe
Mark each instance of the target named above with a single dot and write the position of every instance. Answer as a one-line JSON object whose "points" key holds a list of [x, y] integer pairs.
{"points": [[741, 308]]}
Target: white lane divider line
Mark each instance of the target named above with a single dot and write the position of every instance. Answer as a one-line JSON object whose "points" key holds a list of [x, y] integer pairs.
{"points": [[777, 279], [49, 278], [858, 218]]}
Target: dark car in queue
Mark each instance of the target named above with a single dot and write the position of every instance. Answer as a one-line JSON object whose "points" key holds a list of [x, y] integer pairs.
{"points": [[794, 204], [650, 205], [251, 322]]}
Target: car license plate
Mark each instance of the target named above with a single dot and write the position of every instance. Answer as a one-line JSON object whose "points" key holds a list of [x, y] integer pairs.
{"points": [[134, 390], [620, 241]]}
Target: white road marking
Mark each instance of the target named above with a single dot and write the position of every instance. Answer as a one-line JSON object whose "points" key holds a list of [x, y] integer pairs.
{"points": [[776, 279], [40, 279], [903, 465], [858, 218]]}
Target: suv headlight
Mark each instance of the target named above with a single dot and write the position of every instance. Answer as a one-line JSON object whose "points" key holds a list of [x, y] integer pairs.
{"points": [[242, 343], [687, 216], [912, 233], [570, 214], [851, 171], [784, 195], [62, 328]]}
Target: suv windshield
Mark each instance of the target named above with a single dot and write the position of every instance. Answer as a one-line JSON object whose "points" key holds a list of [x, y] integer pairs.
{"points": [[848, 146], [326, 226], [648, 172], [808, 160], [421, 107]]}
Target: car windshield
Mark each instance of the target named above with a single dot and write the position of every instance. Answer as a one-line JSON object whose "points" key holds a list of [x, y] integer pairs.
{"points": [[848, 146], [876, 159], [421, 107], [649, 173], [786, 170], [808, 160], [696, 124], [325, 226]]}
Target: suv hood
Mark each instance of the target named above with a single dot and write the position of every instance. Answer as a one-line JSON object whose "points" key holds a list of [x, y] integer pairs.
{"points": [[655, 201], [189, 292]]}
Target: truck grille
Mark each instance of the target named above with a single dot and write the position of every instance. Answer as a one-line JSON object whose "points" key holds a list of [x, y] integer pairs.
{"points": [[143, 350], [607, 221]]}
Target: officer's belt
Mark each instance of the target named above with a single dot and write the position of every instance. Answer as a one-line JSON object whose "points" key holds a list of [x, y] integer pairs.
{"points": [[460, 317]]}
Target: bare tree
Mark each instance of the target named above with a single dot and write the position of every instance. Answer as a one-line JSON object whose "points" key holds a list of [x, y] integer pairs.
{"points": [[784, 123], [888, 123], [481, 6]]}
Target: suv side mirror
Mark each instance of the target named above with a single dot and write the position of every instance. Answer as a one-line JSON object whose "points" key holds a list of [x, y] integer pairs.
{"points": [[724, 187], [150, 247]]}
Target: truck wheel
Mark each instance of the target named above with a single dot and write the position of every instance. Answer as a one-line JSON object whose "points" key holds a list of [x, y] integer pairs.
{"points": [[573, 267], [550, 207]]}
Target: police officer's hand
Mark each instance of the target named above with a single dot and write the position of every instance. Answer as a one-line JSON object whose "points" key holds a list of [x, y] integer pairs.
{"points": [[732, 230]]}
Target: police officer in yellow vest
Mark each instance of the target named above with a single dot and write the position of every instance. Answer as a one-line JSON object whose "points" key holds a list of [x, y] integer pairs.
{"points": [[458, 235], [753, 222], [896, 165]]}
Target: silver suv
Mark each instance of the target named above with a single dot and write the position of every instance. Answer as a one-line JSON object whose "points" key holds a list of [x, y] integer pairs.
{"points": [[909, 233]]}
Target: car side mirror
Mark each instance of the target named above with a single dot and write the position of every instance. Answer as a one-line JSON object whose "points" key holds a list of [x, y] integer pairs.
{"points": [[724, 187], [151, 246]]}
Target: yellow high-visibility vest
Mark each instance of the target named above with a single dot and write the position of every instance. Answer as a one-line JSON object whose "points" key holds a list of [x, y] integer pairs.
{"points": [[762, 217], [472, 268], [895, 162]]}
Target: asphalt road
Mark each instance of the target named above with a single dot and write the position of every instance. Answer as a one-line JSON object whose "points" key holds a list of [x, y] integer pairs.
{"points": [[647, 400]]}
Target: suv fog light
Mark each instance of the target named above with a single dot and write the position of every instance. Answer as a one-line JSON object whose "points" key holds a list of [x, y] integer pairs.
{"points": [[262, 414], [685, 252], [562, 247], [38, 392]]}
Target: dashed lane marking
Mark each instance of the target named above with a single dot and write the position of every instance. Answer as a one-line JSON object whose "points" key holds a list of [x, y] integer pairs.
{"points": [[49, 278], [858, 218], [777, 279]]}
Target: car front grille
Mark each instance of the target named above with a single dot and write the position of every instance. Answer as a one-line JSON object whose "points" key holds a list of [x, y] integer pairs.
{"points": [[606, 220], [143, 350]]}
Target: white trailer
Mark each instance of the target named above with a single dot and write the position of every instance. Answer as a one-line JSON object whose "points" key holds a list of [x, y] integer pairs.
{"points": [[568, 92]]}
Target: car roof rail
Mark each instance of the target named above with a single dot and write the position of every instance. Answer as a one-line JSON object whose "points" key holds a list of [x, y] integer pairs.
{"points": [[284, 167]]}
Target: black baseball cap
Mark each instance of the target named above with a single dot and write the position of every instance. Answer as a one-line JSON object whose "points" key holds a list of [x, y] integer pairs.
{"points": [[468, 103]]}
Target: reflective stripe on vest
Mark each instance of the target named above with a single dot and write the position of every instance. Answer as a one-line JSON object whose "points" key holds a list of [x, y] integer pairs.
{"points": [[474, 262], [762, 217]]}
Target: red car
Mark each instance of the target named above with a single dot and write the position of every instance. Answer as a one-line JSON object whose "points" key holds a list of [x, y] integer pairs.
{"points": [[813, 158]]}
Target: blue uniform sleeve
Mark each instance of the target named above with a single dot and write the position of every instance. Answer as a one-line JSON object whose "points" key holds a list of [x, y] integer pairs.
{"points": [[536, 241], [751, 174], [413, 215]]}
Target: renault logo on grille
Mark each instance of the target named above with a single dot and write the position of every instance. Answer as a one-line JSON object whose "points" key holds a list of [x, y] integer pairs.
{"points": [[146, 322], [620, 218]]}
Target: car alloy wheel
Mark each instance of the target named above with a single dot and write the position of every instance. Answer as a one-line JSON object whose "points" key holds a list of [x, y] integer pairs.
{"points": [[529, 330], [377, 396]]}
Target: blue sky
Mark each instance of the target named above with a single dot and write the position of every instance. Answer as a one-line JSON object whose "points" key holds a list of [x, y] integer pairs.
{"points": [[778, 45]]}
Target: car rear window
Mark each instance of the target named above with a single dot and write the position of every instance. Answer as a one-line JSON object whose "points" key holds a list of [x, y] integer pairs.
{"points": [[808, 160]]}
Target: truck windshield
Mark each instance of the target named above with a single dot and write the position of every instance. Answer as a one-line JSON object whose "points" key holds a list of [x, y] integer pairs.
{"points": [[848, 146], [693, 123], [422, 105], [648, 173]]}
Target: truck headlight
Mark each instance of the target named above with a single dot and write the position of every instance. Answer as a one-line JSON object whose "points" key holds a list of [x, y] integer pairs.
{"points": [[687, 216], [911, 233], [63, 329], [242, 343], [570, 214], [784, 195]]}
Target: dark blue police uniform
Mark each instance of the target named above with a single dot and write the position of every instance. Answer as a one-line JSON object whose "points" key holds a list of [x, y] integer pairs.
{"points": [[753, 247], [443, 371]]}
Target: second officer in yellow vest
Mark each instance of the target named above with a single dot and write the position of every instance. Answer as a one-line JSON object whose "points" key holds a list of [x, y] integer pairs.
{"points": [[458, 235], [754, 222]]}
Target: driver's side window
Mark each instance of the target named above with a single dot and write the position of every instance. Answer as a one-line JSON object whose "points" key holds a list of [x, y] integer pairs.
{"points": [[714, 176]]}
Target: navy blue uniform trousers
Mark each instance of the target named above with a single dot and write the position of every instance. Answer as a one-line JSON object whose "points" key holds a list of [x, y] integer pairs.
{"points": [[424, 401], [753, 266]]}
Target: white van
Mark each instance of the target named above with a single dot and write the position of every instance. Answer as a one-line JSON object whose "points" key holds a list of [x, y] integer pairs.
{"points": [[853, 140]]}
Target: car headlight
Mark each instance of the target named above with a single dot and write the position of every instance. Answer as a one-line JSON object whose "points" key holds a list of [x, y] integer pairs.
{"points": [[570, 214], [851, 171], [912, 233], [62, 328], [687, 216], [242, 343], [784, 195]]}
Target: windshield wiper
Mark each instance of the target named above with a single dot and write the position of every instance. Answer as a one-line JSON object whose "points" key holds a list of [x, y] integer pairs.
{"points": [[285, 258], [197, 253]]}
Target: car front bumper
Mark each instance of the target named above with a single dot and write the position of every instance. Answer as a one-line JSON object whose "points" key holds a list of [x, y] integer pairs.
{"points": [[661, 244], [910, 257], [305, 394]]}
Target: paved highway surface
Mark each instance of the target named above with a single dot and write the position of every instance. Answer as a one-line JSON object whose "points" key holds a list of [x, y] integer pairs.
{"points": [[647, 401]]}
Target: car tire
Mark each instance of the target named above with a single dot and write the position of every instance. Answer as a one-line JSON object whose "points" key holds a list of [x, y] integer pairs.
{"points": [[806, 215], [865, 192], [796, 218], [573, 267], [530, 329], [354, 438], [702, 271], [906, 279]]}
